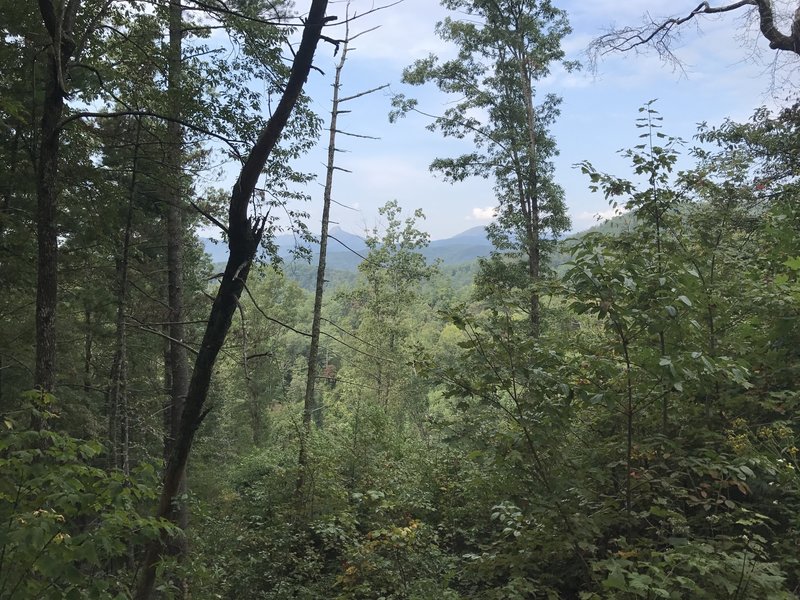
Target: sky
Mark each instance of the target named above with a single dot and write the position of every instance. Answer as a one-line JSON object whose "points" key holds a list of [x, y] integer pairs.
{"points": [[727, 72]]}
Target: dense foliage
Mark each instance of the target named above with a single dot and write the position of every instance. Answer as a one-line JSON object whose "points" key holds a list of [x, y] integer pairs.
{"points": [[641, 441]]}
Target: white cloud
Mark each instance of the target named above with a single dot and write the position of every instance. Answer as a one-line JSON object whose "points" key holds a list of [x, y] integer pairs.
{"points": [[487, 213], [585, 219], [406, 31]]}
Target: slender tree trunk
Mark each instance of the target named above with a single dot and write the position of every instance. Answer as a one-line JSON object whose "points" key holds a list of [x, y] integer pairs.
{"points": [[534, 266], [712, 331], [657, 214], [178, 363], [6, 189], [118, 421], [117, 396], [117, 390], [530, 201], [312, 408], [88, 349], [628, 412], [244, 235], [256, 419], [46, 232], [6, 194], [253, 404]]}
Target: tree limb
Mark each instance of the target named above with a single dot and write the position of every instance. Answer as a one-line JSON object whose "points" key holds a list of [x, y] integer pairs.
{"points": [[660, 34]]}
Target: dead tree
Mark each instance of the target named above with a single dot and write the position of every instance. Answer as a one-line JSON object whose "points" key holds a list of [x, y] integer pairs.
{"points": [[312, 410]]}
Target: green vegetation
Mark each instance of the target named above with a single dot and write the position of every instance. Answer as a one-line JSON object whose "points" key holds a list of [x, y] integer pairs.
{"points": [[620, 422]]}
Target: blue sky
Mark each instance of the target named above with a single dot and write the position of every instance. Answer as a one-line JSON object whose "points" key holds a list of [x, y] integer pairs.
{"points": [[727, 74]]}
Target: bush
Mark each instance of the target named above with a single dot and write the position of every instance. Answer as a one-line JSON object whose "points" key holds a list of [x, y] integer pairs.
{"points": [[66, 526]]}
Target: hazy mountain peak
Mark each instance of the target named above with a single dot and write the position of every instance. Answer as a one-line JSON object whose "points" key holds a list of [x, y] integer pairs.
{"points": [[472, 232]]}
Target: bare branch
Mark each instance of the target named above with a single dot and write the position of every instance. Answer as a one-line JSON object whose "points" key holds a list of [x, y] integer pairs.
{"points": [[357, 135], [139, 325], [210, 217], [360, 33], [661, 34], [343, 206], [361, 256], [354, 96], [346, 22], [326, 334]]}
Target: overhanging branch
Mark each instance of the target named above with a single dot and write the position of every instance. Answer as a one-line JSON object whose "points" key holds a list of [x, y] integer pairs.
{"points": [[147, 113], [660, 34]]}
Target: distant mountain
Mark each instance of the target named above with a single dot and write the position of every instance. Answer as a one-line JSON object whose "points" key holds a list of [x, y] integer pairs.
{"points": [[346, 251], [476, 233], [344, 248], [341, 240], [462, 247]]}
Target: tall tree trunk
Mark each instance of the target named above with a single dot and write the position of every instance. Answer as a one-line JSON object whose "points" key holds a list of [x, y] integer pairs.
{"points": [[530, 200], [59, 22], [253, 404], [47, 235], [244, 235], [312, 408], [178, 364], [88, 349], [118, 388]]}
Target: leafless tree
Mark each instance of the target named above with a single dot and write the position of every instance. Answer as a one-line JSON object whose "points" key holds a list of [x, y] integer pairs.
{"points": [[312, 408]]}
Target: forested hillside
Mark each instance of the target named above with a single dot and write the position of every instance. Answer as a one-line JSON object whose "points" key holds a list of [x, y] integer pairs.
{"points": [[605, 415]]}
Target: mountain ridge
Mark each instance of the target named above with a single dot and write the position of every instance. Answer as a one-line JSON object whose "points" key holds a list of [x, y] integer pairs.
{"points": [[344, 248]]}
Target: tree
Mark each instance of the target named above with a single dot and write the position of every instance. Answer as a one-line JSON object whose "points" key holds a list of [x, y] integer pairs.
{"points": [[66, 521], [175, 189], [651, 206], [381, 302], [684, 318], [505, 48], [64, 42], [312, 409], [244, 235], [662, 33]]}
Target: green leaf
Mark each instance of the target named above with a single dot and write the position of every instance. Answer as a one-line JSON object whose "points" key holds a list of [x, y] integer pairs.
{"points": [[747, 471], [615, 579], [793, 263], [659, 511], [596, 399]]}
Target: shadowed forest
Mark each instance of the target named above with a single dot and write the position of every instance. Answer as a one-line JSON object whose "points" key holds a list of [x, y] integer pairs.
{"points": [[312, 414]]}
